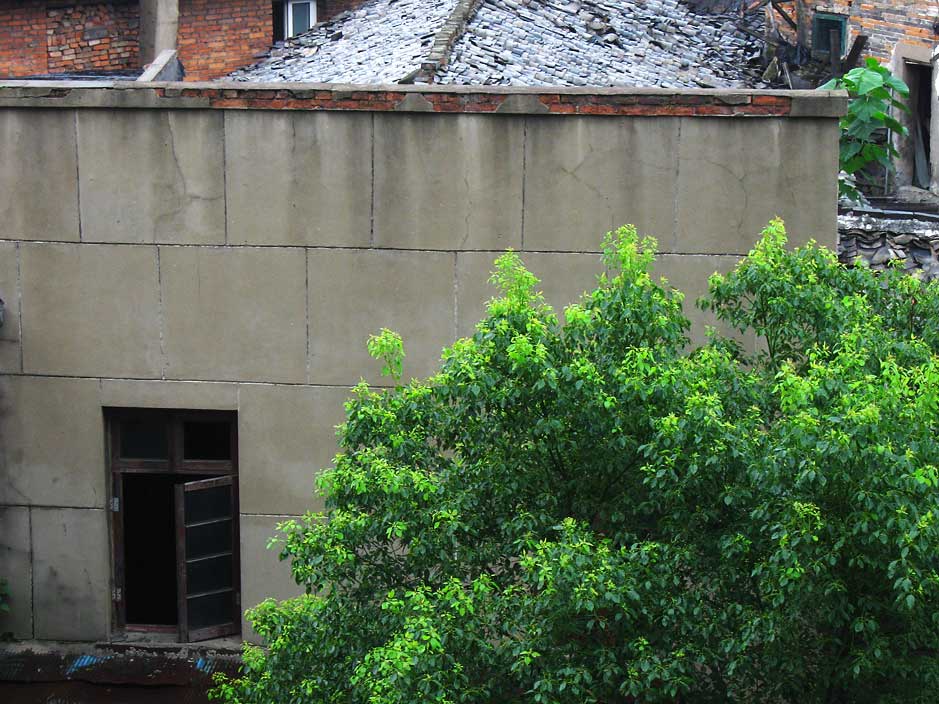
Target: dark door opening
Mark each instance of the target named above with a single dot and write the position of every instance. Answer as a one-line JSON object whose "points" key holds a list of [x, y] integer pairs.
{"points": [[920, 101], [150, 548], [174, 510]]}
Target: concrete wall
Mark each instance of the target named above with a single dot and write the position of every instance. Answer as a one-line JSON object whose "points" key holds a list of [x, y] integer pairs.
{"points": [[178, 255]]}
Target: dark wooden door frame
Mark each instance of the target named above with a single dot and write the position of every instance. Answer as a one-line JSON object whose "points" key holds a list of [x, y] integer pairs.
{"points": [[176, 465]]}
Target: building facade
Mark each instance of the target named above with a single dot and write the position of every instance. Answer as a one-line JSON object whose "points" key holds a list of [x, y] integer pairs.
{"points": [[191, 274]]}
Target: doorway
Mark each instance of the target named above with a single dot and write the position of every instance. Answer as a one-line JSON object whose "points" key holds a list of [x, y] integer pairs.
{"points": [[174, 518]]}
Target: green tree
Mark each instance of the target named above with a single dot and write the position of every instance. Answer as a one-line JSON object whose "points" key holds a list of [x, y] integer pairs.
{"points": [[593, 511]]}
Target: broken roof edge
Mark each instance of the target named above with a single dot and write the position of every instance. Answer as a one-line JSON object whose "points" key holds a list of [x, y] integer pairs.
{"points": [[441, 98]]}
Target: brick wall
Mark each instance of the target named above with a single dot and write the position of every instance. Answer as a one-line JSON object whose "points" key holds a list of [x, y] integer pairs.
{"points": [[22, 38], [886, 22], [891, 21], [36, 38], [93, 36], [217, 37], [327, 9]]}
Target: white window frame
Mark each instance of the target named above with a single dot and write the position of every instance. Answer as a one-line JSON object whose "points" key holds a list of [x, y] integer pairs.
{"points": [[288, 20]]}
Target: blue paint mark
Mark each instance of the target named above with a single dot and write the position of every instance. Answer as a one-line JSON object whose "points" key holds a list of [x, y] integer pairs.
{"points": [[204, 664], [84, 661]]}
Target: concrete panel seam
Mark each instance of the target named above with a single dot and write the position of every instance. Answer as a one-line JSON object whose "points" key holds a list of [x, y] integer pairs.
{"points": [[675, 203], [524, 178], [32, 582], [339, 248], [78, 181], [160, 316], [306, 310], [456, 295], [225, 176], [227, 382], [19, 304], [371, 214]]}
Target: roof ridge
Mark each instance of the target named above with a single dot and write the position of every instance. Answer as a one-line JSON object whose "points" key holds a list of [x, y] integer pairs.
{"points": [[445, 38]]}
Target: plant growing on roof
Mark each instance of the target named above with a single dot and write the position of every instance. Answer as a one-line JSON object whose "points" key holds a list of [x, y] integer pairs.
{"points": [[594, 512], [872, 89]]}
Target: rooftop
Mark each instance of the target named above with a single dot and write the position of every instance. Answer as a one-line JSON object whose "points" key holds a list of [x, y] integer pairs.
{"points": [[643, 43]]}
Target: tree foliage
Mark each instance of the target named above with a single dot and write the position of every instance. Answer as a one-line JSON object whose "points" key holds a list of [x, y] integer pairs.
{"points": [[871, 89], [594, 511]]}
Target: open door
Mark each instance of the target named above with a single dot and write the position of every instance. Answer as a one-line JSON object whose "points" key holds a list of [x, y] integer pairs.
{"points": [[208, 598]]}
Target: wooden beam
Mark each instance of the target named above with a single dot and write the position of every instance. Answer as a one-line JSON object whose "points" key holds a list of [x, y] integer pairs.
{"points": [[791, 22], [860, 41]]}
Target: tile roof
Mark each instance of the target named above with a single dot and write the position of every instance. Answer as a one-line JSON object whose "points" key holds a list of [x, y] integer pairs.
{"points": [[382, 41], [649, 43], [599, 43]]}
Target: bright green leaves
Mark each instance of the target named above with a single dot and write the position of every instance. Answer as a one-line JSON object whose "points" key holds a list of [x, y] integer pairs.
{"points": [[596, 512], [871, 89], [388, 347]]}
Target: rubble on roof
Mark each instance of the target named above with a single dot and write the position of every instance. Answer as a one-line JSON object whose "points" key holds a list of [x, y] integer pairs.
{"points": [[601, 43], [644, 43], [382, 41]]}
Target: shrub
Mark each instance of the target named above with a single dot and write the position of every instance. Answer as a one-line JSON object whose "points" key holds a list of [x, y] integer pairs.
{"points": [[871, 90], [596, 512]]}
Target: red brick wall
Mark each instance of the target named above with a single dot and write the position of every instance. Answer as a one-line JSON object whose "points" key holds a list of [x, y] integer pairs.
{"points": [[22, 38], [216, 37], [37, 38], [891, 21], [886, 22], [93, 36], [327, 9]]}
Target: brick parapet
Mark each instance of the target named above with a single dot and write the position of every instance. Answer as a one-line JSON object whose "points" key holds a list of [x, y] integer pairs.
{"points": [[436, 99]]}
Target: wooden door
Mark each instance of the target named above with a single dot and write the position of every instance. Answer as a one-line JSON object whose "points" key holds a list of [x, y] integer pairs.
{"points": [[207, 572]]}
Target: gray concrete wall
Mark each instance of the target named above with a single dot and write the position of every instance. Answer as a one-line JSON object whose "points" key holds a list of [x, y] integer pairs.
{"points": [[238, 259]]}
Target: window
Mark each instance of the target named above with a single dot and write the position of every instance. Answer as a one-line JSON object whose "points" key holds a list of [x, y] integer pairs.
{"points": [[301, 15], [174, 511], [822, 26]]}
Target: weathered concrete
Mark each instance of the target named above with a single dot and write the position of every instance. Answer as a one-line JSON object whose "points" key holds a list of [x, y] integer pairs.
{"points": [[733, 178], [17, 570], [264, 576], [353, 294], [299, 178], [234, 314], [90, 310], [448, 184], [167, 185], [71, 590], [51, 442], [38, 175], [136, 393], [285, 436], [586, 176]]}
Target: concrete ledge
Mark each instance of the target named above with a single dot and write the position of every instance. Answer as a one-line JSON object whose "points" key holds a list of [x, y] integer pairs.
{"points": [[424, 98]]}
